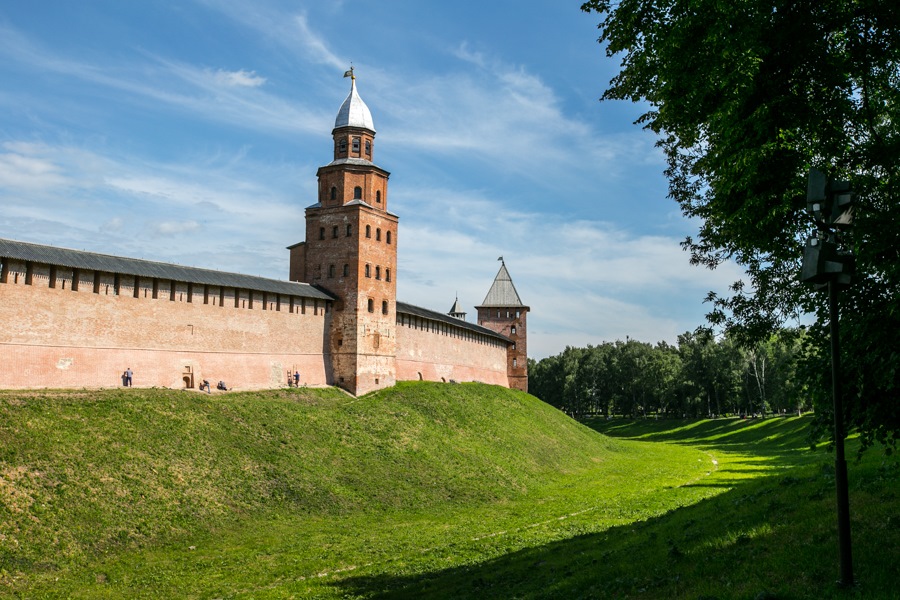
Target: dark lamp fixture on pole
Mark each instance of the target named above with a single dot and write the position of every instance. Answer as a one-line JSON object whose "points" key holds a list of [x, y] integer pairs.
{"points": [[827, 265]]}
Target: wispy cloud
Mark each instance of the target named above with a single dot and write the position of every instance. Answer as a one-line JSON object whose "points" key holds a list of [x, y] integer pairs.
{"points": [[240, 78], [216, 206], [168, 228], [231, 97], [315, 45], [586, 280], [502, 115], [290, 30]]}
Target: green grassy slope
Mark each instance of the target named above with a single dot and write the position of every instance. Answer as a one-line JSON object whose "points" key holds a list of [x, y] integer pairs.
{"points": [[87, 475], [422, 490]]}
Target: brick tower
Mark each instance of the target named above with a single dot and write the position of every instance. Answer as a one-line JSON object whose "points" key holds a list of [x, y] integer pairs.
{"points": [[502, 311], [351, 251]]}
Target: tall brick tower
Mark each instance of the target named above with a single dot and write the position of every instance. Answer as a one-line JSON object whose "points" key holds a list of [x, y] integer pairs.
{"points": [[502, 311], [351, 251]]}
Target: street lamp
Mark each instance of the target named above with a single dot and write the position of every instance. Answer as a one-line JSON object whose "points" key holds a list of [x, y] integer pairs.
{"points": [[827, 265]]}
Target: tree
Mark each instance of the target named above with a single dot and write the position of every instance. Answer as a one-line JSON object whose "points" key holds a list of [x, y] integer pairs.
{"points": [[746, 97]]}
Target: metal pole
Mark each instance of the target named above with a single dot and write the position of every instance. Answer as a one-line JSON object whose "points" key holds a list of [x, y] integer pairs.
{"points": [[840, 464]]}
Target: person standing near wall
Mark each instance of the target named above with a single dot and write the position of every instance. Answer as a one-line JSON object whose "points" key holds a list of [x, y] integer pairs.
{"points": [[128, 376]]}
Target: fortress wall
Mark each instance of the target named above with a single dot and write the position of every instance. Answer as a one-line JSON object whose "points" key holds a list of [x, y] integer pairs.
{"points": [[435, 353], [58, 337]]}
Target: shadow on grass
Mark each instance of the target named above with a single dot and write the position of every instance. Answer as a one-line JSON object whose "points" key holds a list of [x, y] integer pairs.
{"points": [[773, 434], [772, 537]]}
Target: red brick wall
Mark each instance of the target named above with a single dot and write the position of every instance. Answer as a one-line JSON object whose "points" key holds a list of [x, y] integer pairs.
{"points": [[57, 337], [444, 356]]}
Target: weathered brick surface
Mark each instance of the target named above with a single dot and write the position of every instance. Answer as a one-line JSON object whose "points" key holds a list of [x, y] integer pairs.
{"points": [[62, 338], [511, 322], [437, 356]]}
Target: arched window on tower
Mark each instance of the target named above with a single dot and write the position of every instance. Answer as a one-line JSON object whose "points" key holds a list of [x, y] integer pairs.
{"points": [[349, 229], [368, 271], [387, 235], [346, 270], [342, 147], [377, 272], [384, 307], [368, 148], [368, 231], [387, 274], [357, 193], [356, 145], [333, 192], [330, 271], [334, 231], [371, 305], [378, 196], [378, 234]]}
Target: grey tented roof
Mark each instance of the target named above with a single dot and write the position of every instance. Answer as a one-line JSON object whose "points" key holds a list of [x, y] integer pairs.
{"points": [[502, 293], [418, 311], [456, 309], [78, 259]]}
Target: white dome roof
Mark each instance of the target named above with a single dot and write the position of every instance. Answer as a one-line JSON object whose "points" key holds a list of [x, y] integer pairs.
{"points": [[354, 112]]}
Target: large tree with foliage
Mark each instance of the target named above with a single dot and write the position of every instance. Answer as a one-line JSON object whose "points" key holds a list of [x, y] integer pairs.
{"points": [[745, 97]]}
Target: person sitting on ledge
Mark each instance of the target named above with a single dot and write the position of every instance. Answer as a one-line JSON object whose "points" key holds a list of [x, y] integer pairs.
{"points": [[221, 386], [205, 384]]}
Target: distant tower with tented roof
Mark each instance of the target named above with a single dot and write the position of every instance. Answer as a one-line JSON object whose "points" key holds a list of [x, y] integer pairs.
{"points": [[457, 310], [503, 312]]}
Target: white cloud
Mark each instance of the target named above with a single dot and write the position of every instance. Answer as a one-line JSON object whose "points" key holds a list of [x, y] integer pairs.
{"points": [[314, 44], [174, 227], [230, 211], [240, 78], [232, 97], [586, 281], [114, 224], [20, 169], [505, 116], [287, 29]]}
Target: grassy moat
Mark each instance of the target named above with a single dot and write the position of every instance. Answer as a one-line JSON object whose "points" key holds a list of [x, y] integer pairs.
{"points": [[420, 491]]}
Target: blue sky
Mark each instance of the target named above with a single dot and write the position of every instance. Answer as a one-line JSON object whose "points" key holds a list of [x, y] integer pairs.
{"points": [[190, 132]]}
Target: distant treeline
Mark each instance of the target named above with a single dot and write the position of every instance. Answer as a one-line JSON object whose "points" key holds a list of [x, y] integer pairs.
{"points": [[702, 375]]}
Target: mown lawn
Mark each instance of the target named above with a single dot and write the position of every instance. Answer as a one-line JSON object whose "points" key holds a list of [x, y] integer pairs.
{"points": [[423, 490]]}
